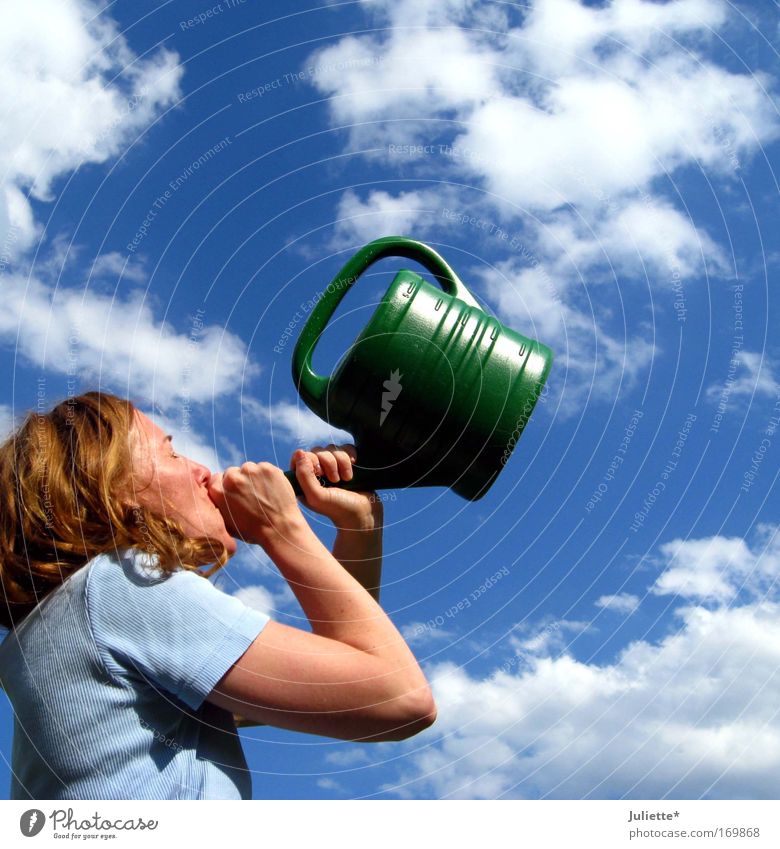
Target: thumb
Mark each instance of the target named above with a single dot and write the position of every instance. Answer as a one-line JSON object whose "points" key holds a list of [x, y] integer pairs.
{"points": [[214, 487], [307, 477], [216, 493]]}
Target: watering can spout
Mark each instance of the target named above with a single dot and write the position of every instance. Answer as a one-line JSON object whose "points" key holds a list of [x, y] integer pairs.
{"points": [[435, 391]]}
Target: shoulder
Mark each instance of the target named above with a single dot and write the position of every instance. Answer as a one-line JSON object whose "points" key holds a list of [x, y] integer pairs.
{"points": [[129, 581], [130, 568]]}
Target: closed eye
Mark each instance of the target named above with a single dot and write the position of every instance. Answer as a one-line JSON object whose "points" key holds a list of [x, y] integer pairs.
{"points": [[169, 440]]}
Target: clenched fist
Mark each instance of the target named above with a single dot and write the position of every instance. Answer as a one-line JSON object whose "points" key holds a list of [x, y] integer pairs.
{"points": [[256, 501]]}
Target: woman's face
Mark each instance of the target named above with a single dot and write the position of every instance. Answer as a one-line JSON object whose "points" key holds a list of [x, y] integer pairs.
{"points": [[171, 485]]}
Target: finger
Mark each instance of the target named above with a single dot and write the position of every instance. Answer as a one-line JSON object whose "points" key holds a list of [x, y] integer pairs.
{"points": [[351, 450], [296, 455], [301, 451], [215, 482], [344, 462], [314, 457], [307, 477], [329, 464], [230, 475], [216, 492]]}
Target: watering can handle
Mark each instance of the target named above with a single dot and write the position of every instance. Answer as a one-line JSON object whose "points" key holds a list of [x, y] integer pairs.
{"points": [[313, 387]]}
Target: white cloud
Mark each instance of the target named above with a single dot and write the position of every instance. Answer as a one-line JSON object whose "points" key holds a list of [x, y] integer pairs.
{"points": [[117, 267], [750, 373], [367, 77], [119, 341], [543, 638], [589, 360], [564, 34], [331, 784], [271, 595], [565, 125], [620, 128], [578, 105], [71, 92], [646, 237], [7, 421], [258, 598], [559, 95], [719, 568], [294, 424], [621, 603], [693, 714], [419, 633], [381, 214], [354, 756]]}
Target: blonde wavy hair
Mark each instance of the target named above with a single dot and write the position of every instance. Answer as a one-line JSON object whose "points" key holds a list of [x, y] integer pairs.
{"points": [[61, 475]]}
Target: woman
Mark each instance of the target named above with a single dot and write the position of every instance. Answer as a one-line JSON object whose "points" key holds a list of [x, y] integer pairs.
{"points": [[126, 670]]}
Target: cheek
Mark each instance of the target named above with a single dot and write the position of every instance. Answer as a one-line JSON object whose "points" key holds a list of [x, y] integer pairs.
{"points": [[176, 490], [141, 478], [149, 488]]}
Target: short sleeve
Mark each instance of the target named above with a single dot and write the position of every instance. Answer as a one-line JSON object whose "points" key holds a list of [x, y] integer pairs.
{"points": [[177, 630]]}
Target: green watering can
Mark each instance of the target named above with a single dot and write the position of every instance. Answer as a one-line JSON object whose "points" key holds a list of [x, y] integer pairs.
{"points": [[435, 391]]}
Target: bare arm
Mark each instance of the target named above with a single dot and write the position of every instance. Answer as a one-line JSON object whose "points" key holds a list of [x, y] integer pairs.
{"points": [[359, 550], [353, 677], [358, 547]]}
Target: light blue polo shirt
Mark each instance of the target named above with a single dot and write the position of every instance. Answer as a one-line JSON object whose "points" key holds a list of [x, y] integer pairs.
{"points": [[108, 677]]}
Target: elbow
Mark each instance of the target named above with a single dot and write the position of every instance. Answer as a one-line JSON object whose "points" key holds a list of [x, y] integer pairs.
{"points": [[418, 713]]}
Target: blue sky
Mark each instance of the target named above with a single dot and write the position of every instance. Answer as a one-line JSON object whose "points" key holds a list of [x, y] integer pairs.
{"points": [[179, 180]]}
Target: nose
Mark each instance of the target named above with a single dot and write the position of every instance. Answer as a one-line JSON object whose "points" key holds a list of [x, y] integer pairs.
{"points": [[202, 473]]}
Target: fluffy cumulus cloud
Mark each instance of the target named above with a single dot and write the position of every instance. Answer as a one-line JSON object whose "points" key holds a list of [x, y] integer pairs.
{"points": [[572, 98], [360, 220], [72, 92], [257, 597], [750, 373], [371, 76], [619, 602], [118, 341], [691, 714], [553, 124], [721, 569], [293, 424]]}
